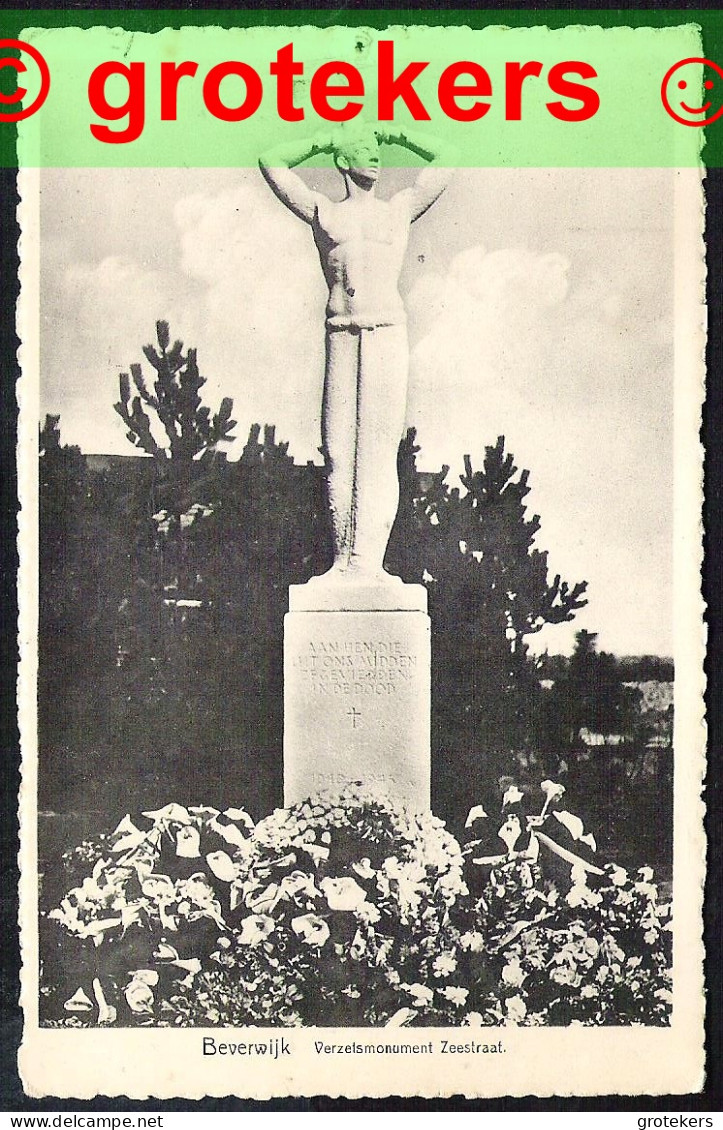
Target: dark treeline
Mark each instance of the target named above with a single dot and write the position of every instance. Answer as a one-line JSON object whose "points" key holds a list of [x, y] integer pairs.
{"points": [[163, 587], [161, 628], [630, 668]]}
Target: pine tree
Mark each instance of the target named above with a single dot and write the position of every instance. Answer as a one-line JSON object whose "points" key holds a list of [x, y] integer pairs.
{"points": [[591, 695], [489, 591], [170, 423], [476, 548], [498, 536], [173, 407]]}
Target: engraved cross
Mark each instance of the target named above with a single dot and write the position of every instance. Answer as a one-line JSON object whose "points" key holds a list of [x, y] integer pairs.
{"points": [[354, 715]]}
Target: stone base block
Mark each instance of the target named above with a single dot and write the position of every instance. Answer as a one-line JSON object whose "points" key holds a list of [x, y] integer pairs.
{"points": [[384, 593], [357, 703]]}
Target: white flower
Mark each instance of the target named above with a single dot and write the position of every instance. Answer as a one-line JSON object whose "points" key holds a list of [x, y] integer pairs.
{"points": [[646, 874], [317, 853], [200, 893], [581, 895], [145, 976], [159, 887], [96, 930], [168, 921], [552, 790], [296, 883], [67, 913], [91, 891], [612, 950], [532, 851], [455, 994], [106, 1012], [578, 875], [255, 929], [513, 795], [516, 1009], [229, 832], [589, 991], [241, 816], [264, 901], [139, 994], [383, 951], [79, 1002], [343, 893], [165, 952], [473, 1020], [358, 946], [222, 866], [175, 813], [401, 1017], [188, 842], [451, 886], [513, 974], [510, 831], [526, 876], [565, 975], [475, 813], [368, 913], [405, 880], [573, 823], [130, 836], [420, 994], [192, 965], [472, 941], [444, 964], [311, 929]]}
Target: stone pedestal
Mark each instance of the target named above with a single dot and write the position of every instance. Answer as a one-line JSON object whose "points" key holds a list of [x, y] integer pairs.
{"points": [[357, 690]]}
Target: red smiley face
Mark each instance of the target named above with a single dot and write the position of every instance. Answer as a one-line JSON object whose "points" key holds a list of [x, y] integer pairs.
{"points": [[679, 92]]}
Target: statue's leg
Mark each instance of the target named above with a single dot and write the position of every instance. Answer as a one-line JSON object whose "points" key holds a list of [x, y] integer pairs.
{"points": [[338, 434], [383, 376]]}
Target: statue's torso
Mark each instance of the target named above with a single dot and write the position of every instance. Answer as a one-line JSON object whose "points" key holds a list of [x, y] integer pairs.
{"points": [[361, 245]]}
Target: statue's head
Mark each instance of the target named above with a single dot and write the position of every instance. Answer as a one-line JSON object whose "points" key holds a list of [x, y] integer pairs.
{"points": [[356, 155]]}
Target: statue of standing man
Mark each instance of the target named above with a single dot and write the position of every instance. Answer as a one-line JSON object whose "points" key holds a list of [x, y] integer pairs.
{"points": [[361, 242]]}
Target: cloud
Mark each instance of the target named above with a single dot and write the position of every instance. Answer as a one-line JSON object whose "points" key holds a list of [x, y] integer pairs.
{"points": [[97, 317], [481, 324], [241, 283], [518, 343], [263, 301]]}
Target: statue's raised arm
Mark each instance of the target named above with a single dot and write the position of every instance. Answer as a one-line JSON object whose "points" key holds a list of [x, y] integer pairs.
{"points": [[361, 241], [277, 164], [432, 180]]}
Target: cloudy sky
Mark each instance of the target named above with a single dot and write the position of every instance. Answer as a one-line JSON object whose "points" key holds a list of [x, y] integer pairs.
{"points": [[540, 308]]}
